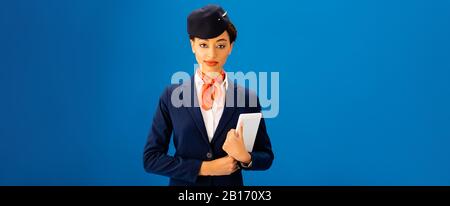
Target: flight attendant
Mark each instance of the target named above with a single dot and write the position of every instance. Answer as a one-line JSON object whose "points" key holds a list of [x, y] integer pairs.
{"points": [[209, 151]]}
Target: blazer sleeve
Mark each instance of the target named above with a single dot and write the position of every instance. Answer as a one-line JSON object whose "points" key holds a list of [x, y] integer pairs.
{"points": [[156, 159], [262, 154]]}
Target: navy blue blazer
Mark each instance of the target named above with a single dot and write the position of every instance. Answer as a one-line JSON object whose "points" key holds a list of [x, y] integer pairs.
{"points": [[191, 141]]}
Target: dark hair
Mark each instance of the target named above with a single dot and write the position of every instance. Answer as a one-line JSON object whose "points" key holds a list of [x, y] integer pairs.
{"points": [[231, 30]]}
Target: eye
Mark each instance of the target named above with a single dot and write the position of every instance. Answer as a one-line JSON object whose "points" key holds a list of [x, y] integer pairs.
{"points": [[203, 45], [221, 46]]}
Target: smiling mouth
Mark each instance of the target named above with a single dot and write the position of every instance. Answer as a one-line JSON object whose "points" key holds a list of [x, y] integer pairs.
{"points": [[211, 63]]}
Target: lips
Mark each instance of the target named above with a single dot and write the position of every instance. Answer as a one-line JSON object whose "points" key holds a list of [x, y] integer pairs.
{"points": [[211, 63]]}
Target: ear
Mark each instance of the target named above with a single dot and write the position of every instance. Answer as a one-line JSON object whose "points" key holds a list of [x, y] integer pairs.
{"points": [[192, 45]]}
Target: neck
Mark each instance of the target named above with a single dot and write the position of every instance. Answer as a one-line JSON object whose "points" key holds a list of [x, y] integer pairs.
{"points": [[212, 72], [209, 70]]}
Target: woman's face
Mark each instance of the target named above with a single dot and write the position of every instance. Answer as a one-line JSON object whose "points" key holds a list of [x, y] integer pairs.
{"points": [[211, 54]]}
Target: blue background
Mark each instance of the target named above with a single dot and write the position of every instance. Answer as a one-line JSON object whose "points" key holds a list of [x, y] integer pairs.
{"points": [[364, 88]]}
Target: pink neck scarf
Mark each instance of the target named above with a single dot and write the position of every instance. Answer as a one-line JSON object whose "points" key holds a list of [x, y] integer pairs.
{"points": [[211, 87]]}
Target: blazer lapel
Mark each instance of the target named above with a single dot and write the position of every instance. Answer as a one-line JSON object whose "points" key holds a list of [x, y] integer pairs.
{"points": [[194, 110], [228, 111]]}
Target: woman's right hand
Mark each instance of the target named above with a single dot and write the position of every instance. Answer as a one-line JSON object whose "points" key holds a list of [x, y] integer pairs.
{"points": [[222, 166]]}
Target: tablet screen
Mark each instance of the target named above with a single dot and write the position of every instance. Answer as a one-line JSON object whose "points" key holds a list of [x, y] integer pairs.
{"points": [[250, 122]]}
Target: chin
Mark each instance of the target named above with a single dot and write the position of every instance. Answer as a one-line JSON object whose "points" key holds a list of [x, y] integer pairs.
{"points": [[210, 69]]}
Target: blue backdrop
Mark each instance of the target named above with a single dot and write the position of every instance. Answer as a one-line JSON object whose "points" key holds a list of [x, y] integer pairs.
{"points": [[364, 88]]}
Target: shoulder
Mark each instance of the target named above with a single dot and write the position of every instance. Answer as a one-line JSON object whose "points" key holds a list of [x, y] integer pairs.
{"points": [[180, 92], [170, 88], [244, 91], [246, 97], [185, 84]]}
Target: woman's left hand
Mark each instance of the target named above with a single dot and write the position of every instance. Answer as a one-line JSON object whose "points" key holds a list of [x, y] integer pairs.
{"points": [[234, 146]]}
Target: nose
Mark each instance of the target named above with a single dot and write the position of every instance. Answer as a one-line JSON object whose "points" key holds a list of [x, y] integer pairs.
{"points": [[211, 53]]}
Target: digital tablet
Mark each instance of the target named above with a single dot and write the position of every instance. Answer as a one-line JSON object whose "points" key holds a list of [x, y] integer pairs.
{"points": [[250, 122]]}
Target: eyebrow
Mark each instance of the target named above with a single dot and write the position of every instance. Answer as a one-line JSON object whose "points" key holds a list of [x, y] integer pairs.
{"points": [[205, 40]]}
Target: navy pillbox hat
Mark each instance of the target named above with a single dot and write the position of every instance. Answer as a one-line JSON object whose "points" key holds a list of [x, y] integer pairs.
{"points": [[207, 22]]}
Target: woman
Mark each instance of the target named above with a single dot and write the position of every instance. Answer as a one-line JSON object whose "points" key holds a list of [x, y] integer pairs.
{"points": [[208, 149]]}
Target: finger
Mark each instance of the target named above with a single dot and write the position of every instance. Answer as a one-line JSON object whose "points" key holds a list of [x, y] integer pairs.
{"points": [[241, 131], [229, 133], [236, 167], [231, 159]]}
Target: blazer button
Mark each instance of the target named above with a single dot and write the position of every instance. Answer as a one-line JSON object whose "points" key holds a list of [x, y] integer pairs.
{"points": [[209, 155]]}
